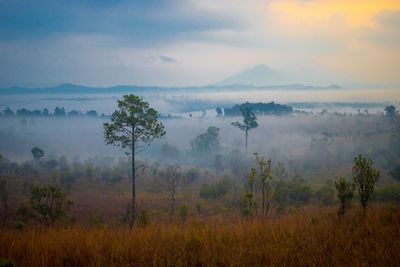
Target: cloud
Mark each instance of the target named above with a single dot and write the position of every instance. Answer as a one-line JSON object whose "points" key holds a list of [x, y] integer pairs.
{"points": [[136, 22], [190, 42], [167, 59], [386, 32]]}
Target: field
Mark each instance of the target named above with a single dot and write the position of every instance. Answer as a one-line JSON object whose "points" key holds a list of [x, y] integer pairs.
{"points": [[307, 237]]}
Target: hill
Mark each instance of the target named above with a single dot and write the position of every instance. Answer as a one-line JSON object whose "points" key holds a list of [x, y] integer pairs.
{"points": [[259, 75]]}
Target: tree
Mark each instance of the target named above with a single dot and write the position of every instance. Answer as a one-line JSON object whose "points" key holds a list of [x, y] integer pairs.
{"points": [[92, 113], [264, 174], [49, 204], [8, 112], [133, 126], [249, 122], [59, 112], [219, 111], [171, 181], [206, 142], [37, 154], [345, 193], [365, 177], [390, 111]]}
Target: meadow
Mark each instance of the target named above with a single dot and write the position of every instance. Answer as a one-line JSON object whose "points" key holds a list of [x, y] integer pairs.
{"points": [[310, 236]]}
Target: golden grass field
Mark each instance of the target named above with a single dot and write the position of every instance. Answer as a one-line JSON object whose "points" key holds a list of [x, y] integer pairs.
{"points": [[305, 237]]}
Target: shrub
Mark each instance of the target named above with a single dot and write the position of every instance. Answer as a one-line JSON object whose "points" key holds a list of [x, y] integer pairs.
{"points": [[143, 218]]}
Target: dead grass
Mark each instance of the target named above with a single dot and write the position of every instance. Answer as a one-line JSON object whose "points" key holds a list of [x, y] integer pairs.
{"points": [[313, 238]]}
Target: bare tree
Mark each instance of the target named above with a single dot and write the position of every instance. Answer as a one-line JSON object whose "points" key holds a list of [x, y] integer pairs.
{"points": [[170, 180], [265, 175]]}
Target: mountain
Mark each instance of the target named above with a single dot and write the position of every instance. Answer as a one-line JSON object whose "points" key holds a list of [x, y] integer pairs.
{"points": [[133, 89], [260, 75]]}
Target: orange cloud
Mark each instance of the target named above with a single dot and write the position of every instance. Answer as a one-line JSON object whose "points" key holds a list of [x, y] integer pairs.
{"points": [[356, 12]]}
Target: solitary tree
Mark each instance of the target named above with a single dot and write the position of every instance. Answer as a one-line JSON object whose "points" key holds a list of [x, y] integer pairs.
{"points": [[345, 193], [249, 121], [170, 180], [133, 126], [391, 111], [37, 154], [365, 177]]}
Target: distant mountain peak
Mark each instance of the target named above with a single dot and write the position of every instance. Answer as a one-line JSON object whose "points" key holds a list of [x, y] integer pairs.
{"points": [[257, 75]]}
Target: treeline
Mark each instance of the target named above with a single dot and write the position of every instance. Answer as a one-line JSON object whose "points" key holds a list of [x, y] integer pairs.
{"points": [[62, 112], [260, 108], [57, 112]]}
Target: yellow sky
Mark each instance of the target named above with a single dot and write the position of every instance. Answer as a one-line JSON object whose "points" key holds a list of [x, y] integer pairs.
{"points": [[356, 12]]}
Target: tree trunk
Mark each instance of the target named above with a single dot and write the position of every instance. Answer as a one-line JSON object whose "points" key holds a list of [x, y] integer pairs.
{"points": [[133, 186], [246, 140], [133, 179]]}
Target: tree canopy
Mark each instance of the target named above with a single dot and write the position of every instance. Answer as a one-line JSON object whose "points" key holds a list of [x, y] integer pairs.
{"points": [[133, 124]]}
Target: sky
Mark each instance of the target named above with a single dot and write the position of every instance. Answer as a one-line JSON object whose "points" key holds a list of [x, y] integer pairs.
{"points": [[195, 43]]}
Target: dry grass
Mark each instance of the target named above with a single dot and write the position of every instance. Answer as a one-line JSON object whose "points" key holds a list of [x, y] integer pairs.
{"points": [[315, 238]]}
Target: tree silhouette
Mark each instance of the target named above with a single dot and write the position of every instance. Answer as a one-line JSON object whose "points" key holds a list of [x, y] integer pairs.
{"points": [[390, 111], [249, 122], [37, 154], [133, 125]]}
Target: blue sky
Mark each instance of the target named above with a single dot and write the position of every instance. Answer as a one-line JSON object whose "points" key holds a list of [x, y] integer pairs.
{"points": [[188, 42]]}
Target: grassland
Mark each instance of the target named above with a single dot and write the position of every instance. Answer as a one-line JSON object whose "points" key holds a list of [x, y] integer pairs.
{"points": [[304, 237]]}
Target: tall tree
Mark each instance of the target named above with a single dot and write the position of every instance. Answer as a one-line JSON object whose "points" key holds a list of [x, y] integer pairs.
{"points": [[249, 122], [37, 154], [365, 176], [133, 126]]}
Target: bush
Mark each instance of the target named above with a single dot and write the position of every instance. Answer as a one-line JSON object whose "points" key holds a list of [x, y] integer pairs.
{"points": [[294, 191], [143, 218], [216, 190]]}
